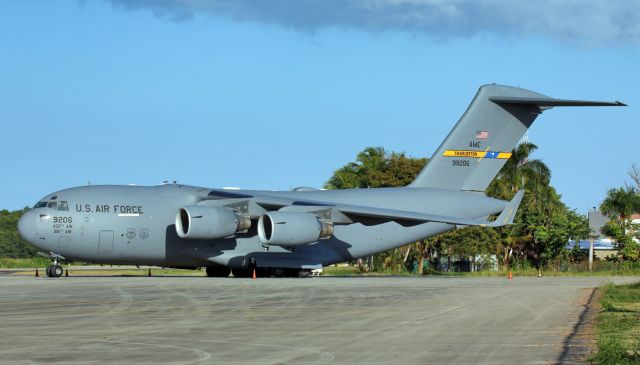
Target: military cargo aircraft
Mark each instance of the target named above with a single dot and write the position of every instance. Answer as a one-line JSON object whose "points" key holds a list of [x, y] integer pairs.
{"points": [[293, 232]]}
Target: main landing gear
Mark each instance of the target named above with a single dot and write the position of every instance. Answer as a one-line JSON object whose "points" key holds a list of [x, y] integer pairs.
{"points": [[267, 272], [218, 271]]}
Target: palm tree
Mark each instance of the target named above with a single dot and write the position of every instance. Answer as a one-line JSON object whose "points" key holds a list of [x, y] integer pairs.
{"points": [[346, 177], [621, 202], [365, 172], [520, 169], [519, 172], [370, 164]]}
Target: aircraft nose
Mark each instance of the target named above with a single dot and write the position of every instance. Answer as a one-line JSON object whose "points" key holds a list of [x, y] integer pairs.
{"points": [[27, 225]]}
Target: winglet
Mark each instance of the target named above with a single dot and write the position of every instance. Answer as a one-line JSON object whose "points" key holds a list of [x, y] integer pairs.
{"points": [[509, 212]]}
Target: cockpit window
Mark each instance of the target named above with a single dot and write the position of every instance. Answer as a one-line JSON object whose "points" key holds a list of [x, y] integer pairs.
{"points": [[61, 206]]}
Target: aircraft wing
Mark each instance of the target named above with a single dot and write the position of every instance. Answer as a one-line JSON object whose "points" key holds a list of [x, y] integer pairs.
{"points": [[505, 218], [348, 213]]}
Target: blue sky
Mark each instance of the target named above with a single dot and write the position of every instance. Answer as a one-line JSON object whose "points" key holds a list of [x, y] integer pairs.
{"points": [[278, 94]]}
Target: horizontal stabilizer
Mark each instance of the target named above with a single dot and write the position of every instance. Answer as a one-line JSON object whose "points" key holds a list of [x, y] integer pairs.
{"points": [[551, 102]]}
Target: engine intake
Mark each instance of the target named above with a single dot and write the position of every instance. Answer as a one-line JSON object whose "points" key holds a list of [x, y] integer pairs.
{"points": [[292, 229], [204, 222]]}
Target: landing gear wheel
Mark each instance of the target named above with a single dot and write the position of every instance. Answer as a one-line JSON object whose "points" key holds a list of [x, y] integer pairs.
{"points": [[218, 271], [54, 271], [304, 273], [242, 273], [57, 271]]}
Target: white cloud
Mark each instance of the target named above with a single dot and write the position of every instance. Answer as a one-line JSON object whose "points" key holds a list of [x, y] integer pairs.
{"points": [[585, 22]]}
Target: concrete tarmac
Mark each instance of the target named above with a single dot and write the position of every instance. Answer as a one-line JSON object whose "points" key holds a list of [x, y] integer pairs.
{"points": [[381, 320]]}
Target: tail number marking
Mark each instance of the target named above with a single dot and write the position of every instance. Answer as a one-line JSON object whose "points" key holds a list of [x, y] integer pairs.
{"points": [[462, 163]]}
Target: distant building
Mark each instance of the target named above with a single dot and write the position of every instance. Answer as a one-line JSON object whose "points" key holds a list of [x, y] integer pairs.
{"points": [[602, 245], [596, 221]]}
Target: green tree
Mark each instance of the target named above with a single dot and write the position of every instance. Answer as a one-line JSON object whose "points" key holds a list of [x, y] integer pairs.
{"points": [[376, 168], [346, 177], [543, 224], [11, 244], [624, 234], [619, 205], [520, 171]]}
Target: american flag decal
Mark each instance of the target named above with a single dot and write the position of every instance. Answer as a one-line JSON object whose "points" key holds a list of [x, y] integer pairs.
{"points": [[482, 134]]}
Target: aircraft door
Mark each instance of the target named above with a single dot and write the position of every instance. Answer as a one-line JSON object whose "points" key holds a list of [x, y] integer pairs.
{"points": [[63, 241], [105, 245]]}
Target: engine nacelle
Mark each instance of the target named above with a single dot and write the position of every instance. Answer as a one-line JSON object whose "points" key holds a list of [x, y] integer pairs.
{"points": [[292, 229], [205, 222]]}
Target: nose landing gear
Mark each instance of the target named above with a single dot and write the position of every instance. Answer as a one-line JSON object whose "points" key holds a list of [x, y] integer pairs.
{"points": [[54, 270]]}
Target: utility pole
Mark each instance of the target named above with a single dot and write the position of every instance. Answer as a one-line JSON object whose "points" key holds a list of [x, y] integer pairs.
{"points": [[590, 253], [591, 217]]}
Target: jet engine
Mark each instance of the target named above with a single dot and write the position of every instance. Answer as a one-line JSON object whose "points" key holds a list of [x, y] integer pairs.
{"points": [[205, 222], [292, 229]]}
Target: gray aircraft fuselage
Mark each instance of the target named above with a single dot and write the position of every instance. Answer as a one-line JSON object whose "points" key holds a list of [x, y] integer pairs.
{"points": [[136, 225]]}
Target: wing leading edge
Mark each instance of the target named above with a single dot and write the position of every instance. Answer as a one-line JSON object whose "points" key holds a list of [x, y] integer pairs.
{"points": [[348, 213]]}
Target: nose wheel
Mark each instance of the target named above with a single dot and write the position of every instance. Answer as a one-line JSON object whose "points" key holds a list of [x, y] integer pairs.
{"points": [[54, 270]]}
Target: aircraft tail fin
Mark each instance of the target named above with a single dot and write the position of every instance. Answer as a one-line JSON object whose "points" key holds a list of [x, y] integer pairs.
{"points": [[481, 142]]}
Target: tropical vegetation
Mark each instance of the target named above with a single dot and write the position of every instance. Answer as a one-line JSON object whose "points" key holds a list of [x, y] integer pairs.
{"points": [[539, 237], [11, 244], [620, 204]]}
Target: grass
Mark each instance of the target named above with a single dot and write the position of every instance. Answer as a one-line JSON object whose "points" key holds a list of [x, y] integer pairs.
{"points": [[78, 271], [8, 263], [603, 269], [353, 271], [534, 272], [618, 325]]}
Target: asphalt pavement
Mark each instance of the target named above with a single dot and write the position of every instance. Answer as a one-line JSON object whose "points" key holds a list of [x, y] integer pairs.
{"points": [[380, 320]]}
